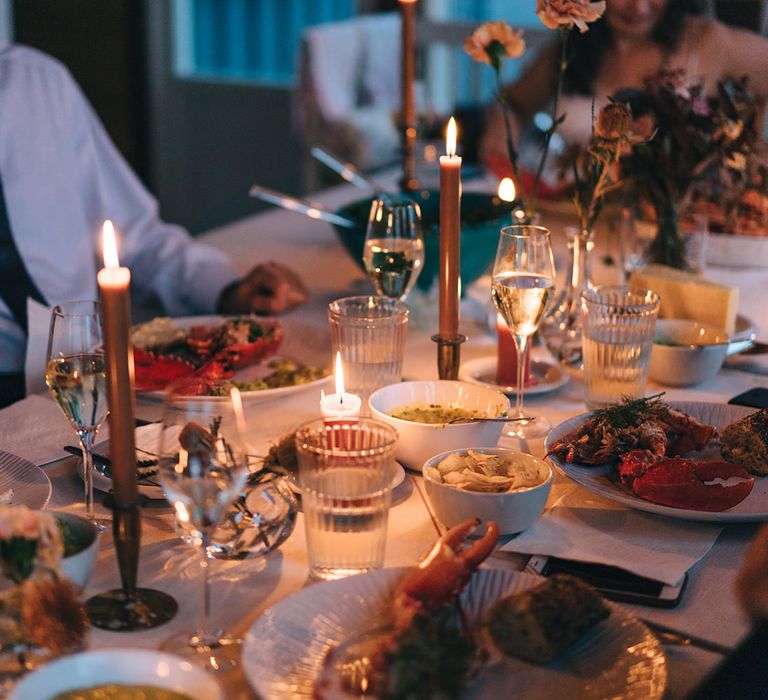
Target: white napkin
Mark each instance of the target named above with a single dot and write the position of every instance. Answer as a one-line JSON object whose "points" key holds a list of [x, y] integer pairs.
{"points": [[657, 548], [36, 429], [38, 326]]}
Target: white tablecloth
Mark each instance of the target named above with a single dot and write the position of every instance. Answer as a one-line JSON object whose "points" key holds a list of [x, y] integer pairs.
{"points": [[242, 590]]}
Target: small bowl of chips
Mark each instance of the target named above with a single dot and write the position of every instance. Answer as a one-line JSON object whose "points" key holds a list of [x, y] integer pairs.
{"points": [[490, 483]]}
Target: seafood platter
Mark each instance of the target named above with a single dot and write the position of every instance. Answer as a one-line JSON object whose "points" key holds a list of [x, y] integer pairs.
{"points": [[693, 461], [399, 633], [205, 356]]}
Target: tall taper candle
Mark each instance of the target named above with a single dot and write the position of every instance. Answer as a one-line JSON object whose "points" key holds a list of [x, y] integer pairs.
{"points": [[450, 236], [114, 286], [409, 182]]}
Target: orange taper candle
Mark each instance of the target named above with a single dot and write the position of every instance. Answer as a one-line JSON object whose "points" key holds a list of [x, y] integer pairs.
{"points": [[450, 236], [114, 287]]}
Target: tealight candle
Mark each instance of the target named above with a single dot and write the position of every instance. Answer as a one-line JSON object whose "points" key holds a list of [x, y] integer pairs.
{"points": [[341, 407], [114, 287]]}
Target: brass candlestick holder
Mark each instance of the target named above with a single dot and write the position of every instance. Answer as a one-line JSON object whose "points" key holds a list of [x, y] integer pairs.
{"points": [[448, 355], [129, 608]]}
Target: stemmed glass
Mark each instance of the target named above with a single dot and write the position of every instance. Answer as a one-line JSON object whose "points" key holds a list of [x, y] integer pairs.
{"points": [[394, 246], [203, 469], [523, 279], [76, 376]]}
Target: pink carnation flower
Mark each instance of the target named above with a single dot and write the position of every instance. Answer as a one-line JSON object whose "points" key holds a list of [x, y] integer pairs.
{"points": [[555, 13]]}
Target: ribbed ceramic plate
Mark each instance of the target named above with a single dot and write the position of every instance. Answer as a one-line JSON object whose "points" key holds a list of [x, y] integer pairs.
{"points": [[284, 650], [596, 478], [23, 483], [547, 376]]}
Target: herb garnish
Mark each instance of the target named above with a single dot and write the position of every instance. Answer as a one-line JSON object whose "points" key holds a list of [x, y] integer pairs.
{"points": [[630, 413]]}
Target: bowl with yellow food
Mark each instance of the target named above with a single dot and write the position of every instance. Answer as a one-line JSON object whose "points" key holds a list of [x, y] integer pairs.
{"points": [[438, 415], [490, 483]]}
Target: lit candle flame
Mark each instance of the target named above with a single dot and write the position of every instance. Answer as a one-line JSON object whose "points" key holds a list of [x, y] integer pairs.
{"points": [[450, 138], [339, 375], [507, 190], [109, 245]]}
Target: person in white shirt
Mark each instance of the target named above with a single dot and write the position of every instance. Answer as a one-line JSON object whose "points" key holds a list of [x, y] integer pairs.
{"points": [[61, 177]]}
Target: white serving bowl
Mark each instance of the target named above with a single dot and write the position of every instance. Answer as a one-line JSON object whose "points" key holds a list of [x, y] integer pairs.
{"points": [[419, 441], [79, 566], [121, 666], [514, 511], [686, 352]]}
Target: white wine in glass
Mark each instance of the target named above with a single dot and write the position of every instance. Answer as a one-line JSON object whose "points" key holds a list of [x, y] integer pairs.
{"points": [[77, 379], [523, 281], [394, 246]]}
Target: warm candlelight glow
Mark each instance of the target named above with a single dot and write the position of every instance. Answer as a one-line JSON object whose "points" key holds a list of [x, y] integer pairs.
{"points": [[339, 373], [237, 405], [507, 190], [109, 245], [450, 138]]}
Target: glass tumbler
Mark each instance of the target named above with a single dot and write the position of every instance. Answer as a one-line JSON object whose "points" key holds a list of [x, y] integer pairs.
{"points": [[369, 332], [346, 474], [618, 329]]}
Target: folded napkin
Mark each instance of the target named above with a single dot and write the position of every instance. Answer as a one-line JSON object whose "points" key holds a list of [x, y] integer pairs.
{"points": [[35, 428], [647, 545]]}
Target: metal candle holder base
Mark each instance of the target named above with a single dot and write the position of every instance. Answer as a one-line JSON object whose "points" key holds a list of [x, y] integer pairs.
{"points": [[448, 355], [129, 608]]}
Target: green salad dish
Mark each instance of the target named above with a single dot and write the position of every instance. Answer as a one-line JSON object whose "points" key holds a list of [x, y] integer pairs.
{"points": [[482, 216], [80, 538]]}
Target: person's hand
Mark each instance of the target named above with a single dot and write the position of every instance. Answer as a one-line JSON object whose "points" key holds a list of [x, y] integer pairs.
{"points": [[269, 288], [752, 581]]}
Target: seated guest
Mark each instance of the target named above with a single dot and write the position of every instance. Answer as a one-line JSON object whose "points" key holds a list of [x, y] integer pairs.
{"points": [[633, 41], [60, 178]]}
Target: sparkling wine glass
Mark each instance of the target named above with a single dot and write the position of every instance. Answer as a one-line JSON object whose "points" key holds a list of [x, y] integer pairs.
{"points": [[203, 469], [76, 376], [523, 279], [394, 246]]}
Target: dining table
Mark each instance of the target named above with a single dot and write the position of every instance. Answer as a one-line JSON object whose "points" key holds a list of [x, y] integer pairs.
{"points": [[242, 590]]}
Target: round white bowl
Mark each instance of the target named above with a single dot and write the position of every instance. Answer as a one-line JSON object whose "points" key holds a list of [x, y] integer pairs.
{"points": [[79, 566], [686, 352], [419, 441], [514, 511], [126, 666]]}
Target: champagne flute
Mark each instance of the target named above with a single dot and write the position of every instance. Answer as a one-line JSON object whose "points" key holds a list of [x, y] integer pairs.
{"points": [[523, 279], [76, 376], [394, 246], [203, 469]]}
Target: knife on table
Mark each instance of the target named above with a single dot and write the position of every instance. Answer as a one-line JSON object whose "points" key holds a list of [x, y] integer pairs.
{"points": [[103, 461], [313, 211]]}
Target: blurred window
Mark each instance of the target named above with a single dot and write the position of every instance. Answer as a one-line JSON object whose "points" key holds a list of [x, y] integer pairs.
{"points": [[254, 40]]}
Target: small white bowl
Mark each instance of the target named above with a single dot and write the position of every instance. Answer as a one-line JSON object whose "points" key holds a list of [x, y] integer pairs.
{"points": [[514, 511], [419, 441], [121, 666], [686, 352], [79, 566]]}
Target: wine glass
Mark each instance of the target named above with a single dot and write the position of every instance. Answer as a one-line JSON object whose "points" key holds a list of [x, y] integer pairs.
{"points": [[394, 246], [76, 376], [523, 279], [203, 469]]}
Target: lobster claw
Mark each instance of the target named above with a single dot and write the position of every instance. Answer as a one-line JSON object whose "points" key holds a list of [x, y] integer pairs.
{"points": [[440, 575]]}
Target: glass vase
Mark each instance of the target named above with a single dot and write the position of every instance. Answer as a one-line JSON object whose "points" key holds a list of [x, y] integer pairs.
{"points": [[561, 329]]}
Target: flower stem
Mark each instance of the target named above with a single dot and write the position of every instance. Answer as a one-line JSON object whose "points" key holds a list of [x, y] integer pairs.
{"points": [[565, 30], [511, 150]]}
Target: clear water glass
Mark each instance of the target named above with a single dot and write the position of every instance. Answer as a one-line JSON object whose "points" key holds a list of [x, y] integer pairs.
{"points": [[618, 335], [393, 254], [203, 469], [346, 474], [369, 332]]}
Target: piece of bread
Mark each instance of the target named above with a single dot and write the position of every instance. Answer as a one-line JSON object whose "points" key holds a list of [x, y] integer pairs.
{"points": [[689, 295], [745, 442], [539, 623]]}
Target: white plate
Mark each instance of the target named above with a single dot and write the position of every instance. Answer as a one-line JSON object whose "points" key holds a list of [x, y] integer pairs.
{"points": [[726, 250], [753, 508], [285, 648], [549, 375], [126, 666], [30, 484], [294, 347]]}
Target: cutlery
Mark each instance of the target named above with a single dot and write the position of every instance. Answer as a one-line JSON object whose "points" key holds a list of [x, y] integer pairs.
{"points": [[313, 211], [346, 170], [670, 635], [103, 464]]}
